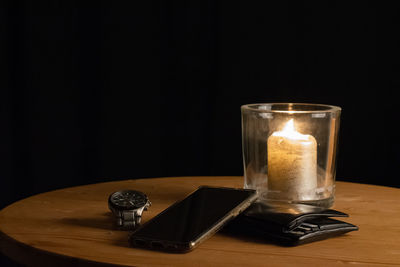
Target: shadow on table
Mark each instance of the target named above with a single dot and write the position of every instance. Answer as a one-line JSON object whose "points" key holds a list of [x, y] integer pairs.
{"points": [[103, 221], [246, 237]]}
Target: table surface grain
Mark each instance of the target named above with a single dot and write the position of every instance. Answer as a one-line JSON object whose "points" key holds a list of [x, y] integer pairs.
{"points": [[73, 227]]}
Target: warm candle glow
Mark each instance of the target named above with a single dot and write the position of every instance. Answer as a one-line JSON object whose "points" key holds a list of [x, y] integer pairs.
{"points": [[289, 132], [292, 163]]}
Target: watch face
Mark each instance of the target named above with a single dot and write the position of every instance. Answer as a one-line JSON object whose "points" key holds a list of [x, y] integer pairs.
{"points": [[128, 199]]}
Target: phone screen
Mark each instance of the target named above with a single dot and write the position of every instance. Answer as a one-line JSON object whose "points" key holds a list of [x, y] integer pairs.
{"points": [[190, 219]]}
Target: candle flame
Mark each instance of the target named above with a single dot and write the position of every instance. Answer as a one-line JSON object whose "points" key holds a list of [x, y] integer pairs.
{"points": [[290, 132], [289, 126]]}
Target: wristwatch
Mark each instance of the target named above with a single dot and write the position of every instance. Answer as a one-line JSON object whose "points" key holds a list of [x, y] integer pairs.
{"points": [[128, 206]]}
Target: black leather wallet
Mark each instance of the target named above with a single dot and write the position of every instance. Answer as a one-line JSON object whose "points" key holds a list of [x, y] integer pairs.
{"points": [[289, 224]]}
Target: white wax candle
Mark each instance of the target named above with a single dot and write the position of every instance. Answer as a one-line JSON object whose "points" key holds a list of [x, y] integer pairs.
{"points": [[292, 164]]}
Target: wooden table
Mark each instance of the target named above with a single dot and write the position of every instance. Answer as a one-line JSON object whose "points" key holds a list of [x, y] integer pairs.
{"points": [[73, 227]]}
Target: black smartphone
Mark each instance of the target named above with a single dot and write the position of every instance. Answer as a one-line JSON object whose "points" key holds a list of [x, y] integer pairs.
{"points": [[187, 223]]}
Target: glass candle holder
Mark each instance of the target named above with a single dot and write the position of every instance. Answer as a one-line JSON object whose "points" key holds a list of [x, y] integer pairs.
{"points": [[289, 151]]}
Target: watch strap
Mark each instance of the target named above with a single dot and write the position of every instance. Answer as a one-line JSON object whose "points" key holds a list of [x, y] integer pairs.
{"points": [[130, 219]]}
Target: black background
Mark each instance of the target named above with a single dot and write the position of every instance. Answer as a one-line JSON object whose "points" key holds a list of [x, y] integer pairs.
{"points": [[120, 90]]}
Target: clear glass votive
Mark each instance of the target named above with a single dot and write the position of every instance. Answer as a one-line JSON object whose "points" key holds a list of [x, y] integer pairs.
{"points": [[289, 151]]}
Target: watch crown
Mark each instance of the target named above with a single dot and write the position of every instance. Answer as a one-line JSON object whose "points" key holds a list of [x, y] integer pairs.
{"points": [[148, 204]]}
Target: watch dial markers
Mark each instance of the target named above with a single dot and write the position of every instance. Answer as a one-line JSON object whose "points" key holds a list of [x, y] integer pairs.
{"points": [[128, 199]]}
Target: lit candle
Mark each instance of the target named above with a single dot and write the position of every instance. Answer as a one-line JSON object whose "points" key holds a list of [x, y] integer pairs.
{"points": [[292, 163]]}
